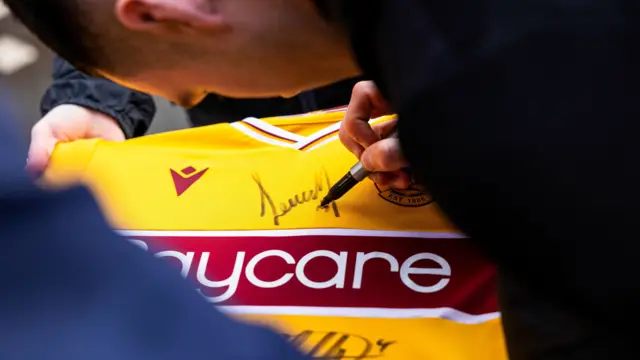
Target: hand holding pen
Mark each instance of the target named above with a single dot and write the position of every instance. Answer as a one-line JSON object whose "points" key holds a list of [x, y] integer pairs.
{"points": [[376, 146], [356, 174]]}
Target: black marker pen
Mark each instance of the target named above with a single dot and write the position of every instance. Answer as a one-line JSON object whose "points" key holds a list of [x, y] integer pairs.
{"points": [[353, 177]]}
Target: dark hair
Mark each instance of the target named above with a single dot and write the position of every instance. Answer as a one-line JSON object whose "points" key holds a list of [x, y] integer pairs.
{"points": [[58, 24]]}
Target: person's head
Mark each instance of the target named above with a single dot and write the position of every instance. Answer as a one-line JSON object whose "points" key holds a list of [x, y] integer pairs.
{"points": [[181, 49]]}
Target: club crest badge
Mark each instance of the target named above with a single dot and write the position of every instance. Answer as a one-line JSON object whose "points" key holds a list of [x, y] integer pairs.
{"points": [[413, 196]]}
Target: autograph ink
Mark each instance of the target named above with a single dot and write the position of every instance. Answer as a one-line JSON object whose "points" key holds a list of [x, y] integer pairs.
{"points": [[321, 184], [333, 345]]}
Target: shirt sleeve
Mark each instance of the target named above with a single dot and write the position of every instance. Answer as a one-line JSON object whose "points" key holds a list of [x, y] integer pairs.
{"points": [[133, 110]]}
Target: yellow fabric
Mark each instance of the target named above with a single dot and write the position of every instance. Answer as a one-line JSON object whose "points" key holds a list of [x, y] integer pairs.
{"points": [[248, 180]]}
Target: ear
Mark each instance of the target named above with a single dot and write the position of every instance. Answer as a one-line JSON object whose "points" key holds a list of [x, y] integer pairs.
{"points": [[168, 16]]}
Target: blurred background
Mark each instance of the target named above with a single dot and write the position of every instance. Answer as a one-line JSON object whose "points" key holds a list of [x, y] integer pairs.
{"points": [[25, 65]]}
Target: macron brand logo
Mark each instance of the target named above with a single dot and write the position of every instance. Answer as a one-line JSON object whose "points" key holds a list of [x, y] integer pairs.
{"points": [[185, 178]]}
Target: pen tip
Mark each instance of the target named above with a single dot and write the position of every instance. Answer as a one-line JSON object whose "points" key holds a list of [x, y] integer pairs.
{"points": [[324, 203]]}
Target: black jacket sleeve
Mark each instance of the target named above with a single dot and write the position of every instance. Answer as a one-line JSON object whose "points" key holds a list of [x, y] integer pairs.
{"points": [[133, 110], [72, 289], [521, 118]]}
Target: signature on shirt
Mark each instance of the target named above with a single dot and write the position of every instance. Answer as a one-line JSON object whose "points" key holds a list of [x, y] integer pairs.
{"points": [[334, 345], [311, 195]]}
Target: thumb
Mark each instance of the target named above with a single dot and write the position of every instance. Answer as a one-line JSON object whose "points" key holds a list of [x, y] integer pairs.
{"points": [[42, 144], [384, 156]]}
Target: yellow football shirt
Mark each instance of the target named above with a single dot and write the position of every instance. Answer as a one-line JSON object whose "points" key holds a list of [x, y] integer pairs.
{"points": [[380, 274]]}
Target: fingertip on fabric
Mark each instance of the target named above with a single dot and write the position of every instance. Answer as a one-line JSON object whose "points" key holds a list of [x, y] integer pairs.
{"points": [[38, 159], [35, 170]]}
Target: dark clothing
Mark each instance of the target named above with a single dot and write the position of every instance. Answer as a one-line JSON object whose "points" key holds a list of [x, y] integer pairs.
{"points": [[216, 109], [134, 111], [522, 119], [73, 290]]}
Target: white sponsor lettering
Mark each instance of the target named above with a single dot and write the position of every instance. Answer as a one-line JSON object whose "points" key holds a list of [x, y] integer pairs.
{"points": [[408, 270], [336, 281], [443, 270], [231, 283], [250, 272]]}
